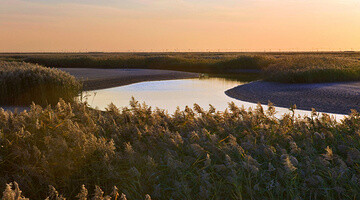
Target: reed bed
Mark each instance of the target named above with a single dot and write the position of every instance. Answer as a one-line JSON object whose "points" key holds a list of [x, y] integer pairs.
{"points": [[190, 154], [313, 69], [279, 67], [203, 63], [13, 192], [23, 83]]}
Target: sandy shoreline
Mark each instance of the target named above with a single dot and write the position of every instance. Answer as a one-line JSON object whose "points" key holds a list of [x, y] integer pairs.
{"points": [[94, 79], [337, 98]]}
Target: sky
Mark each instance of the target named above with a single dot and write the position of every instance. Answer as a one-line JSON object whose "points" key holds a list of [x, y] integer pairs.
{"points": [[178, 25]]}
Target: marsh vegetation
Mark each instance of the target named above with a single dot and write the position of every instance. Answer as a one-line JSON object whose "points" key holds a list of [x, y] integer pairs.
{"points": [[191, 154], [23, 83], [279, 67], [313, 69]]}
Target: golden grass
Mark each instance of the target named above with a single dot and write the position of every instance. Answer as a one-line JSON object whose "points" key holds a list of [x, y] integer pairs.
{"points": [[311, 69], [191, 154]]}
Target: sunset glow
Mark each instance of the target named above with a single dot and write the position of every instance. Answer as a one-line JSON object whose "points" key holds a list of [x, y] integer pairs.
{"points": [[178, 25]]}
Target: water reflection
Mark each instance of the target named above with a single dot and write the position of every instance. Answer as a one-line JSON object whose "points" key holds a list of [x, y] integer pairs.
{"points": [[168, 94], [171, 94]]}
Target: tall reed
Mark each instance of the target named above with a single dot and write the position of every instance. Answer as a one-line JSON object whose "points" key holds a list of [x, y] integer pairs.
{"points": [[22, 83], [190, 154], [279, 67], [313, 69]]}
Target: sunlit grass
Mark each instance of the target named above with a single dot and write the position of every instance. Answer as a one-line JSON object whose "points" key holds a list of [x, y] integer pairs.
{"points": [[312, 69], [190, 154]]}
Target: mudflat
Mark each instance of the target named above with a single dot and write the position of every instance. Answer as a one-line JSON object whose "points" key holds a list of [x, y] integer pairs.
{"points": [[337, 98], [94, 79]]}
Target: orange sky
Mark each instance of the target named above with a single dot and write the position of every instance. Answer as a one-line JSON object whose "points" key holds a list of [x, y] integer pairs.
{"points": [[182, 25]]}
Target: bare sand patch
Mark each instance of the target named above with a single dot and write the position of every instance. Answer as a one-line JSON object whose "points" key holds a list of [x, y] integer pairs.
{"points": [[94, 79], [338, 97]]}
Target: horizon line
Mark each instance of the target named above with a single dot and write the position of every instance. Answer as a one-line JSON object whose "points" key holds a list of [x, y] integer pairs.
{"points": [[107, 52]]}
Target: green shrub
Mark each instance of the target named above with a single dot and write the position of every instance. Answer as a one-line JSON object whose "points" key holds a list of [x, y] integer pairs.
{"points": [[191, 154], [22, 83]]}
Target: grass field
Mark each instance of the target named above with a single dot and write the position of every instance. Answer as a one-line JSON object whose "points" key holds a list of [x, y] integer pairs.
{"points": [[182, 62], [280, 67], [192, 154], [23, 83], [313, 69]]}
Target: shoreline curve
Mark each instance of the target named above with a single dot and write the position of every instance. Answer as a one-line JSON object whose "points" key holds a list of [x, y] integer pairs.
{"points": [[337, 98], [94, 79]]}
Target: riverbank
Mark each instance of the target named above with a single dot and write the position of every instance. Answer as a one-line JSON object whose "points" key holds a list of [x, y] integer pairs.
{"points": [[94, 79], [337, 98]]}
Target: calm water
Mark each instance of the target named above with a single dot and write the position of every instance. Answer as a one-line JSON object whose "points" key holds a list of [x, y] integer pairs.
{"points": [[175, 93]]}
